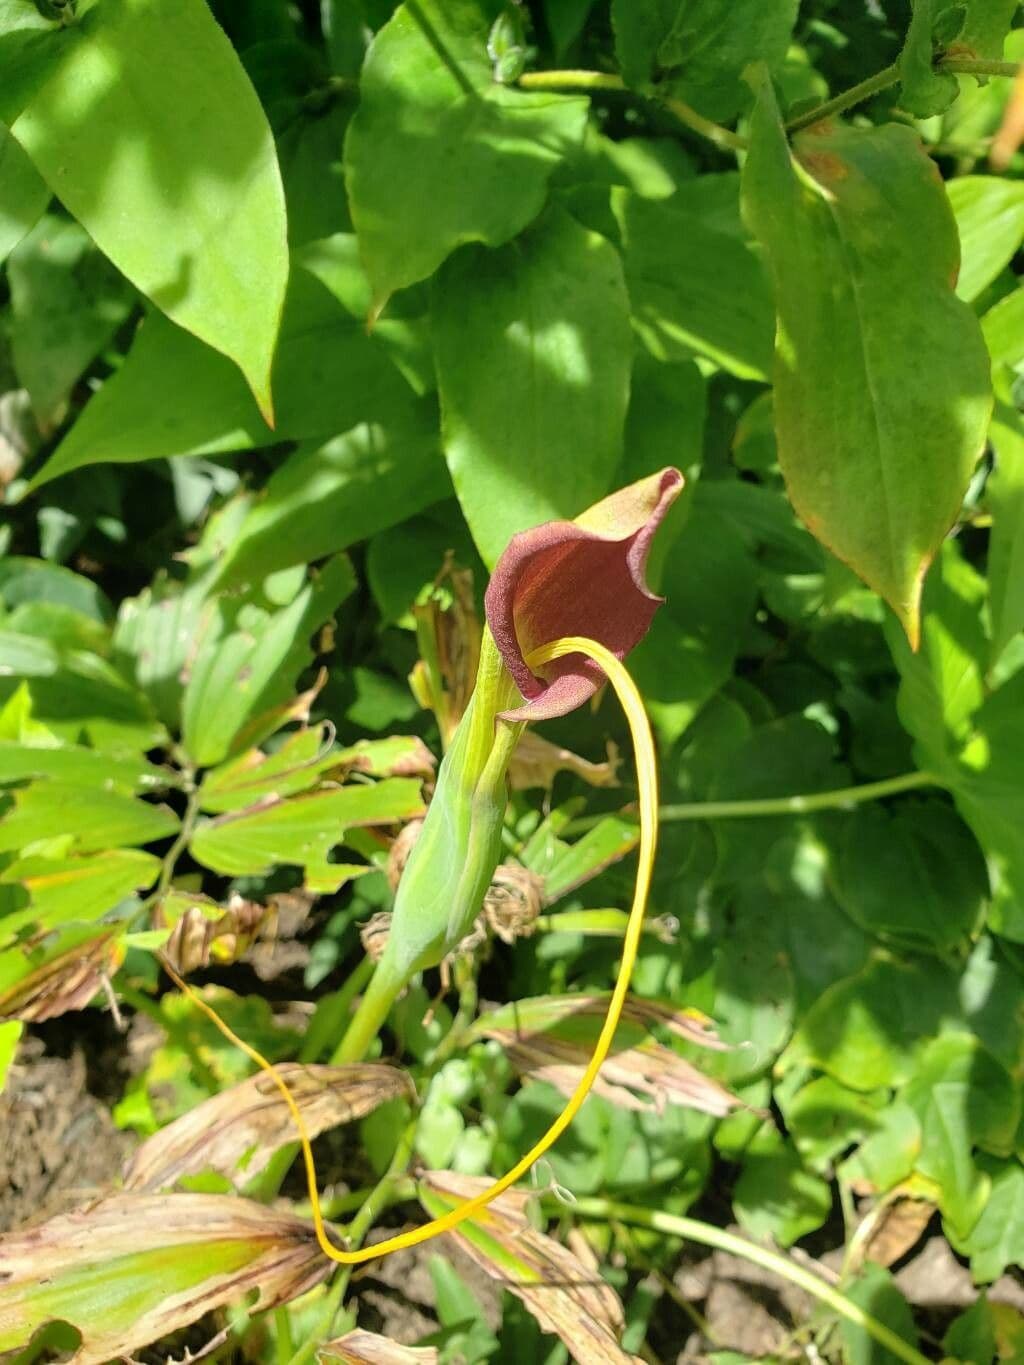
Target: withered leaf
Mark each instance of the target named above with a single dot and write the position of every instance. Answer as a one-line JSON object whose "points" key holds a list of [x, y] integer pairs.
{"points": [[367, 1348], [250, 1120], [66, 981], [536, 763], [133, 1268], [203, 931], [897, 1229], [562, 1294], [551, 1039]]}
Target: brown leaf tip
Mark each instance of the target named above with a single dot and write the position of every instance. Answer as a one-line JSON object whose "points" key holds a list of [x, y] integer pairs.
{"points": [[583, 577]]}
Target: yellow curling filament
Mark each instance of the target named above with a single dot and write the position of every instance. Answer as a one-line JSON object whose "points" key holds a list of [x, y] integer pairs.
{"points": [[647, 782]]}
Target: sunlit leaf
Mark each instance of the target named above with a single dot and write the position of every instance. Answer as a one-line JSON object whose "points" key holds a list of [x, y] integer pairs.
{"points": [[882, 393], [157, 1263], [150, 133], [237, 1131]]}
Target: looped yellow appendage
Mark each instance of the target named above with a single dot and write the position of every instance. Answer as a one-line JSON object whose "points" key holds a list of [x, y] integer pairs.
{"points": [[647, 782]]}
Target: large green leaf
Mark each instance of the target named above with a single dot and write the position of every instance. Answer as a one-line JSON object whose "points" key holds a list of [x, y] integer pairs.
{"points": [[24, 194], [302, 830], [1003, 329], [66, 303], [91, 818], [916, 876], [328, 375], [324, 498], [775, 1195], [75, 764], [533, 353], [882, 393], [974, 28], [249, 659], [874, 1292], [429, 104], [1005, 493], [990, 221], [693, 288], [697, 49], [151, 135]]}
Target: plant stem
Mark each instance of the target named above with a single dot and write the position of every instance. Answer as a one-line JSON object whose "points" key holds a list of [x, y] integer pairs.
{"points": [[384, 989], [710, 1236], [392, 1185], [977, 66], [170, 859], [856, 94], [333, 1013], [842, 799], [570, 80], [601, 80]]}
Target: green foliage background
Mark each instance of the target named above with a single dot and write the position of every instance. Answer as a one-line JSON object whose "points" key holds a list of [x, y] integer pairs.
{"points": [[295, 299]]}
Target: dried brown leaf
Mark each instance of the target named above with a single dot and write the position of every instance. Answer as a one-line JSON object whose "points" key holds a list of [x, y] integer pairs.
{"points": [[135, 1267], [66, 982], [561, 1293], [897, 1228], [367, 1348], [537, 762], [252, 1118]]}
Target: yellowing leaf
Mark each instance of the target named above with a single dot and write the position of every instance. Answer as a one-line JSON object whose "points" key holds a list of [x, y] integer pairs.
{"points": [[882, 389], [134, 1267], [252, 1117]]}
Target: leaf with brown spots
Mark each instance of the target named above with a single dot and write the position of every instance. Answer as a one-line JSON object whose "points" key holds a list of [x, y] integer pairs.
{"points": [[563, 1295], [133, 1268], [251, 1119], [537, 762], [66, 978]]}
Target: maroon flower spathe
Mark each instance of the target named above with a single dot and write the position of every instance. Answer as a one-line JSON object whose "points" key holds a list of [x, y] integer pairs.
{"points": [[582, 577]]}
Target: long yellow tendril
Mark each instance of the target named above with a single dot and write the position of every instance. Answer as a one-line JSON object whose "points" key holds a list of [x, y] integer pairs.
{"points": [[647, 781]]}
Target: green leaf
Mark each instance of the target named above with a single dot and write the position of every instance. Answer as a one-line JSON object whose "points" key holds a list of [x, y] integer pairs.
{"points": [[24, 194], [149, 131], [989, 794], [775, 1195], [77, 694], [10, 1036], [24, 580], [697, 50], [295, 767], [875, 1292], [868, 1030], [942, 684], [972, 1335], [824, 1119], [325, 498], [302, 830], [963, 1099], [1005, 493], [129, 419], [694, 288], [996, 1241], [79, 766], [249, 660], [916, 876], [990, 220], [66, 304], [427, 94], [75, 890], [533, 356], [1003, 329], [882, 393], [974, 28], [91, 818]]}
